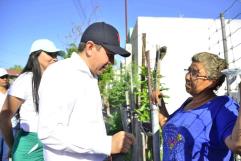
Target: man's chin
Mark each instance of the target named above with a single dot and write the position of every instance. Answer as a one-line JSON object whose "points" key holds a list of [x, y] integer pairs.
{"points": [[99, 73]]}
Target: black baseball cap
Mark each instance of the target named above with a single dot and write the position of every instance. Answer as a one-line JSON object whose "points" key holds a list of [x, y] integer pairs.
{"points": [[106, 36]]}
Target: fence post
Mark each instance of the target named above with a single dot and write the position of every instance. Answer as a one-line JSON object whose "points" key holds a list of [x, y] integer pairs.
{"points": [[225, 48], [154, 115]]}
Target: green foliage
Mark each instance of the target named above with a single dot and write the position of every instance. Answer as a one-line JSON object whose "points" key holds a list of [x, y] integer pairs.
{"points": [[113, 87], [117, 94], [72, 48], [105, 81], [144, 110], [114, 123]]}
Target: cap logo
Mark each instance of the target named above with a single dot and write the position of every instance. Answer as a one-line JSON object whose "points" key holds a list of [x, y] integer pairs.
{"points": [[118, 36]]}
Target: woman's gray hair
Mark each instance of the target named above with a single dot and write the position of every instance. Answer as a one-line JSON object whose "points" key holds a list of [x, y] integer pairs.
{"points": [[213, 66]]}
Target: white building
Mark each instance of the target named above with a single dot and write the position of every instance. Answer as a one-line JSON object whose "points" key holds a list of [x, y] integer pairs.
{"points": [[183, 37]]}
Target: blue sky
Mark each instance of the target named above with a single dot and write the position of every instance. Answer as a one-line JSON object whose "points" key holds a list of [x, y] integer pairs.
{"points": [[23, 21]]}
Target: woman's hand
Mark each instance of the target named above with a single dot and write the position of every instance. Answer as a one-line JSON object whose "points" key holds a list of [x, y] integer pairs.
{"points": [[155, 97]]}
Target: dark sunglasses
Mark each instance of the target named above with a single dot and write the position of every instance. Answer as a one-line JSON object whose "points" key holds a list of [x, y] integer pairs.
{"points": [[4, 77], [53, 55]]}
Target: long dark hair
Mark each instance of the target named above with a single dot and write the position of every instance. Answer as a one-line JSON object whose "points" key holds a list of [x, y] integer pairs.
{"points": [[34, 67]]}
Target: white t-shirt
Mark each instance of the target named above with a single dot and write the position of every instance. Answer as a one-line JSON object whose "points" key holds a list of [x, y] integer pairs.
{"points": [[71, 124], [2, 99], [22, 88]]}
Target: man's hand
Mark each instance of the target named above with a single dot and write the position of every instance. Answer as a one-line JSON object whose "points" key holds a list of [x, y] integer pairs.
{"points": [[121, 142]]}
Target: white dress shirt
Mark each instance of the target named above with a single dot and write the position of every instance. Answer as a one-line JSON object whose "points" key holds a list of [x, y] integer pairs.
{"points": [[71, 124]]}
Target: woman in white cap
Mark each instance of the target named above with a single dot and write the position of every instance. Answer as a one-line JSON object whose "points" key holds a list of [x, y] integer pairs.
{"points": [[23, 96], [4, 84]]}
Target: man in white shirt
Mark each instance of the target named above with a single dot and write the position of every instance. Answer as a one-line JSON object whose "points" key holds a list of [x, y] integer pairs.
{"points": [[71, 125]]}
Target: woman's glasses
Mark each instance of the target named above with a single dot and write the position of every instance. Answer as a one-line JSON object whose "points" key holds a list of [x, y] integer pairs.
{"points": [[195, 74]]}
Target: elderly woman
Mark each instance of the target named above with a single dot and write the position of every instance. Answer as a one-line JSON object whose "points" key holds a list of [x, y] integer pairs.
{"points": [[203, 127]]}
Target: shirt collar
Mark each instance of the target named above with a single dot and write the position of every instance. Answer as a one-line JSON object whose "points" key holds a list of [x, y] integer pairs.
{"points": [[80, 64]]}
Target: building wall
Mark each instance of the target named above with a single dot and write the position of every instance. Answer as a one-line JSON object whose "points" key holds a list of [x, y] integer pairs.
{"points": [[183, 37]]}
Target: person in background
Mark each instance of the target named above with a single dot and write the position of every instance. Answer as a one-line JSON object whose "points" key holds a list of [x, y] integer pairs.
{"points": [[4, 84], [71, 125], [23, 96], [205, 126]]}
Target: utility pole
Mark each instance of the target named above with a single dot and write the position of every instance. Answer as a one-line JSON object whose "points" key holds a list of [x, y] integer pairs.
{"points": [[225, 49], [126, 21]]}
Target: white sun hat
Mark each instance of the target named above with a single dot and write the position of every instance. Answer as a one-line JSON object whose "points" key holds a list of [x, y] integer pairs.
{"points": [[45, 45], [3, 72]]}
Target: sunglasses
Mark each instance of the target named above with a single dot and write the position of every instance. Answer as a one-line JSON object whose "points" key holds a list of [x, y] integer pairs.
{"points": [[4, 77], [53, 55]]}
